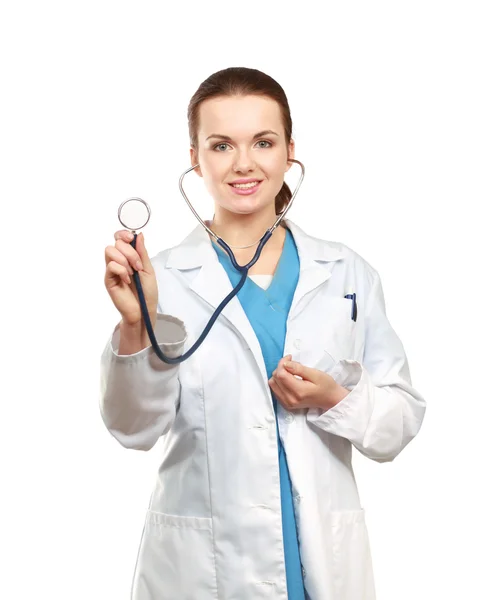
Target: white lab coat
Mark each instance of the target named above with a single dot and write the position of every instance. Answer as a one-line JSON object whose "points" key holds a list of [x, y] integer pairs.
{"points": [[213, 527]]}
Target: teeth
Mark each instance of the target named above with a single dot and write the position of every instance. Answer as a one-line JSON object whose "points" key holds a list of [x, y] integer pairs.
{"points": [[245, 185]]}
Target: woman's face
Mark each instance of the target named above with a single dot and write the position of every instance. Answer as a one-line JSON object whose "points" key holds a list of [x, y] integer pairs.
{"points": [[242, 152]]}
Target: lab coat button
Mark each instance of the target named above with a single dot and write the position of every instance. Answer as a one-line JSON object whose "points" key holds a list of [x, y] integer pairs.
{"points": [[303, 572], [289, 418], [297, 343]]}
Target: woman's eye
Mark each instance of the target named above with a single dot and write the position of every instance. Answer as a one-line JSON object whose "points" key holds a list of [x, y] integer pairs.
{"points": [[223, 146]]}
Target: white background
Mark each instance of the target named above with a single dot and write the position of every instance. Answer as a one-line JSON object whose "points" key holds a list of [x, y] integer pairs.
{"points": [[395, 109]]}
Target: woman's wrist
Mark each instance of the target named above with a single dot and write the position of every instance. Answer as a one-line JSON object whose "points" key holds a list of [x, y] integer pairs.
{"points": [[339, 394], [133, 337]]}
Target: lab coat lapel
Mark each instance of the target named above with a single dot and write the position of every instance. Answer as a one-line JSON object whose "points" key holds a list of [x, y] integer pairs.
{"points": [[212, 285], [316, 258], [197, 261]]}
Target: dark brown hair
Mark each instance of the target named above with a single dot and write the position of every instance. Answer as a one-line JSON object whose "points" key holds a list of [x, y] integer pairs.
{"points": [[240, 81]]}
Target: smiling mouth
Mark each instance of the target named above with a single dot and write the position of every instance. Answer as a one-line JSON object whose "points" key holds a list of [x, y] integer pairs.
{"points": [[245, 186]]}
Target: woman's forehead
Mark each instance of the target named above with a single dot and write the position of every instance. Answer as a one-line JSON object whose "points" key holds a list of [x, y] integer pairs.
{"points": [[239, 116]]}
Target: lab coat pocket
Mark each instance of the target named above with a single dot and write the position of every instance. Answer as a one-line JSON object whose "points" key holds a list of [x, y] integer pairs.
{"points": [[341, 329], [176, 559], [351, 563]]}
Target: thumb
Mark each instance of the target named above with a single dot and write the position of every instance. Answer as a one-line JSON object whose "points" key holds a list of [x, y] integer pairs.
{"points": [[302, 371], [142, 252]]}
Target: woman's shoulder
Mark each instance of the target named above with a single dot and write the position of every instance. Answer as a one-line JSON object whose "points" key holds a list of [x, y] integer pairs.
{"points": [[328, 249]]}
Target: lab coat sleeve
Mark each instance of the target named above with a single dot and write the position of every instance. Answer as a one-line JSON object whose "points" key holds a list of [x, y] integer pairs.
{"points": [[382, 412], [139, 392]]}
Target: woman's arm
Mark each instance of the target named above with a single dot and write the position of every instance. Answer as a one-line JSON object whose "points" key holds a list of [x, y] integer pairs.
{"points": [[139, 392]]}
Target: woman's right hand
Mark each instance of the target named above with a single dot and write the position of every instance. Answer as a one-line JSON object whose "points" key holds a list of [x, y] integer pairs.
{"points": [[120, 260]]}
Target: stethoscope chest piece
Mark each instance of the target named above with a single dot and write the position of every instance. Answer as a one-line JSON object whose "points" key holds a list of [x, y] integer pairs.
{"points": [[134, 214]]}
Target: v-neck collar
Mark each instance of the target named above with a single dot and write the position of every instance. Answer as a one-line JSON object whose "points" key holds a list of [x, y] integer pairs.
{"points": [[284, 253]]}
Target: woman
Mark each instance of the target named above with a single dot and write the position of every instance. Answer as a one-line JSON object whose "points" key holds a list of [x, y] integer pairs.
{"points": [[255, 495]]}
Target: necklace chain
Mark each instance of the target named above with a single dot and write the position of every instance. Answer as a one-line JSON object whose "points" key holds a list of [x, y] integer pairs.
{"points": [[238, 247], [241, 247], [272, 305]]}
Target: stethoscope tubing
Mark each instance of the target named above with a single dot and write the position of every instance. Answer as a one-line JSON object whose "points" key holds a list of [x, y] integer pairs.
{"points": [[242, 269], [214, 317]]}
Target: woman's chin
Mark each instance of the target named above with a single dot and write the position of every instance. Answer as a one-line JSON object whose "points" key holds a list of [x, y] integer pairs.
{"points": [[247, 204], [244, 208]]}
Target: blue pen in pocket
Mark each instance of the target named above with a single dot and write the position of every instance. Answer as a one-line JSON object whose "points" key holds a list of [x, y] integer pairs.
{"points": [[353, 298]]}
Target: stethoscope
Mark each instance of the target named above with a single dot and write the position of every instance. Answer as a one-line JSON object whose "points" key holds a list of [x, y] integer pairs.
{"points": [[242, 269]]}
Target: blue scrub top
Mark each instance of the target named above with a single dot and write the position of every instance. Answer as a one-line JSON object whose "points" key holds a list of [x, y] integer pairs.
{"points": [[267, 310]]}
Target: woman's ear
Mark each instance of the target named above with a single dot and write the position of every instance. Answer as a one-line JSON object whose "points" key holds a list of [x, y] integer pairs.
{"points": [[291, 153], [194, 161]]}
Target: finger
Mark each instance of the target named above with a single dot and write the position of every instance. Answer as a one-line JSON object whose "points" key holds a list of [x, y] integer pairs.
{"points": [[289, 398], [278, 392], [113, 254], [285, 379], [114, 270], [123, 234], [287, 388], [130, 254], [295, 368], [296, 390], [283, 389]]}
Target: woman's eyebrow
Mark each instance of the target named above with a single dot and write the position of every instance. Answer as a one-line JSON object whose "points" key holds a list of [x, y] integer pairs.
{"points": [[227, 138]]}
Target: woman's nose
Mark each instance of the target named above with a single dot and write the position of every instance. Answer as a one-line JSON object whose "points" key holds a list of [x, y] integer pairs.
{"points": [[243, 162]]}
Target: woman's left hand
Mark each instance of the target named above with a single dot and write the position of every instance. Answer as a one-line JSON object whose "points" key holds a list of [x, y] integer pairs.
{"points": [[315, 389]]}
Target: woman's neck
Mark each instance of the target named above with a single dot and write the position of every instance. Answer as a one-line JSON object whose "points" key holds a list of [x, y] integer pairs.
{"points": [[243, 230]]}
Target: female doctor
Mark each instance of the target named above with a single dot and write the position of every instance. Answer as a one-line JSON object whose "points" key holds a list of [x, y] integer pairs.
{"points": [[255, 496]]}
